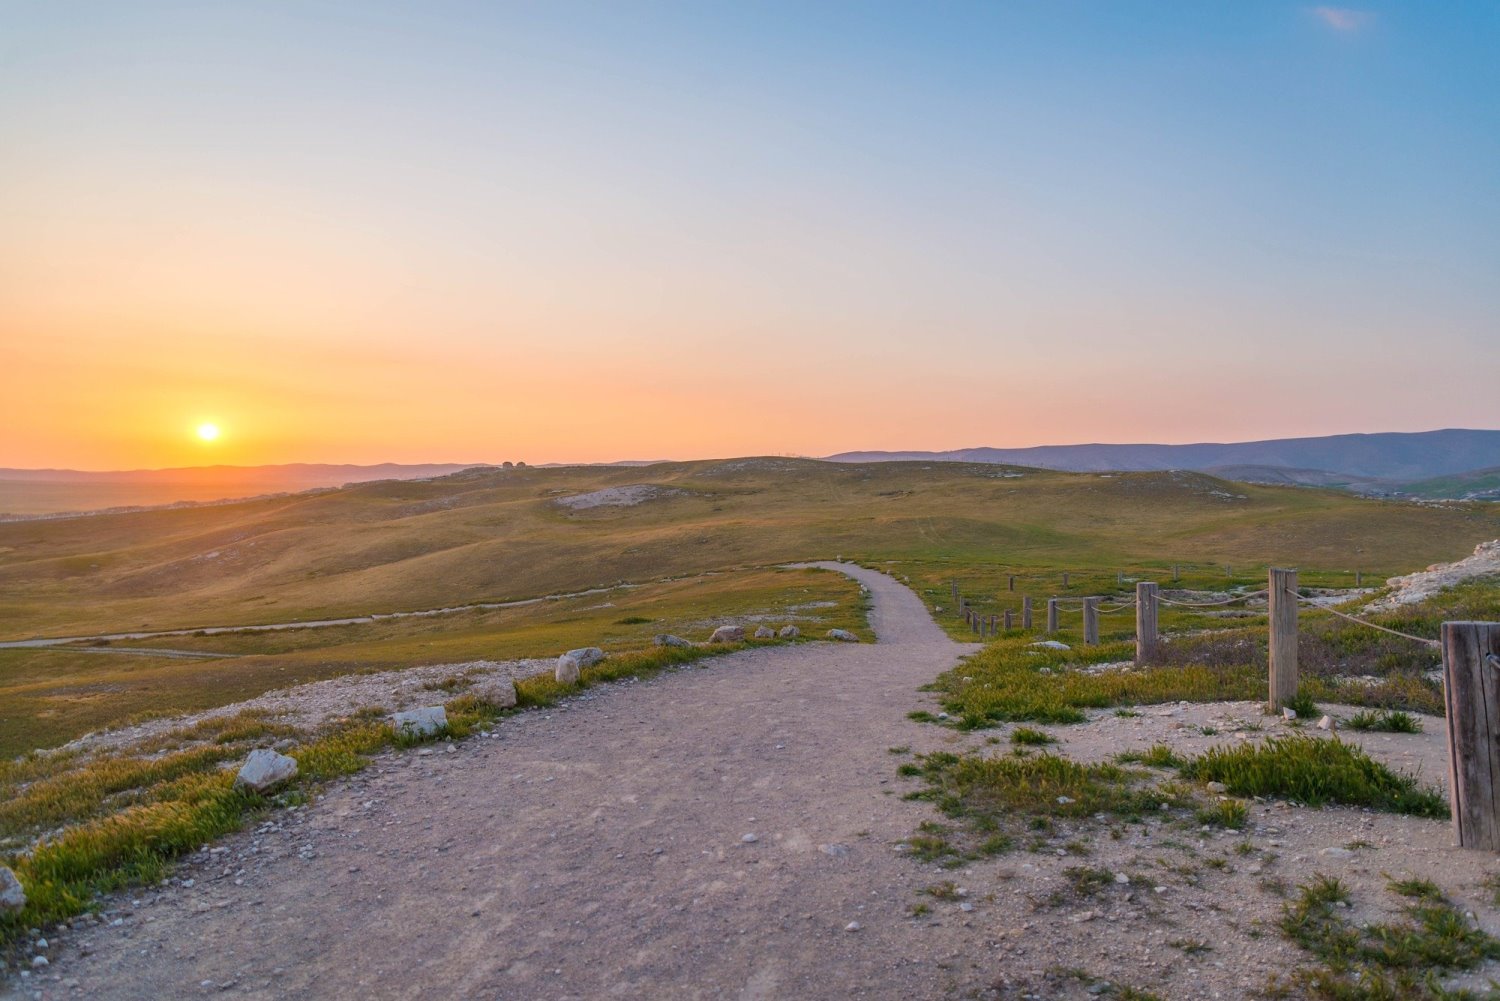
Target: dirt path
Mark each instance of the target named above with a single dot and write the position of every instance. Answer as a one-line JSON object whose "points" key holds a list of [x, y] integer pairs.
{"points": [[711, 833]]}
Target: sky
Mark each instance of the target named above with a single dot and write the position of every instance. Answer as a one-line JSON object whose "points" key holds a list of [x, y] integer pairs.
{"points": [[574, 232]]}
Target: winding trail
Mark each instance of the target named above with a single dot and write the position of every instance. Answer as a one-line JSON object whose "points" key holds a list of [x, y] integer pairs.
{"points": [[597, 850]]}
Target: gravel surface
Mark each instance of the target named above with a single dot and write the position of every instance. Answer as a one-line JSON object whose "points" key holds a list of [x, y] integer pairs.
{"points": [[737, 830]]}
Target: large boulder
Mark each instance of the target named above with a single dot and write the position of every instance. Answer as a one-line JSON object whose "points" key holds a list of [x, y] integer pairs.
{"points": [[789, 632], [496, 690], [764, 633], [728, 634], [587, 656], [425, 722], [667, 639], [12, 893], [265, 769], [568, 670], [842, 635]]}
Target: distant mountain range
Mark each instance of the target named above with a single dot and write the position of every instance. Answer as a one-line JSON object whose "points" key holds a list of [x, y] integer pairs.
{"points": [[1447, 463]]}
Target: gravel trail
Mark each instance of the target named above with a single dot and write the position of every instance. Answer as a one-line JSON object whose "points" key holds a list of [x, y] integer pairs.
{"points": [[725, 831]]}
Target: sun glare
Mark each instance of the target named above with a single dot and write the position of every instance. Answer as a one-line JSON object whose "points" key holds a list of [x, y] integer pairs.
{"points": [[208, 432]]}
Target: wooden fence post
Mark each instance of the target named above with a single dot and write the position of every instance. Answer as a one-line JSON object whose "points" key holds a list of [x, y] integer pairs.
{"points": [[1011, 582], [1065, 580], [1282, 597], [1026, 612], [1051, 615], [992, 626], [1145, 622], [1175, 576], [1091, 620], [1010, 621], [1471, 692], [1359, 578], [1119, 578]]}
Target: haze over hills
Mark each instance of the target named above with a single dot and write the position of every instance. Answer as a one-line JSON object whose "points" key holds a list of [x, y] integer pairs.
{"points": [[1334, 460], [51, 491]]}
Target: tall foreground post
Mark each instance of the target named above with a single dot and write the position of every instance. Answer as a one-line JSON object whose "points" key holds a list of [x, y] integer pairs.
{"points": [[1471, 692], [1091, 620], [1026, 612], [1051, 615], [1145, 622], [1283, 613]]}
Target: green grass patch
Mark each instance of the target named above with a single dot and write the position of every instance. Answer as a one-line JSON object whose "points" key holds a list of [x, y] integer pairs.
{"points": [[1226, 813], [1155, 756], [1386, 720], [1315, 772], [1031, 737], [1400, 959]]}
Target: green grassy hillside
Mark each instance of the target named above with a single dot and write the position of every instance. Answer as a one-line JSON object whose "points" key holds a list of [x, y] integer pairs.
{"points": [[498, 535]]}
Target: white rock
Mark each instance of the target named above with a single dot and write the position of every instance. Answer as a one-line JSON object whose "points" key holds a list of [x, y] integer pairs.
{"points": [[1326, 723], [263, 769], [587, 656], [1121, 878], [842, 635], [1052, 645], [12, 894], [1336, 852], [789, 632], [568, 670], [422, 722], [764, 633], [749, 839], [727, 634], [1217, 787], [39, 961], [834, 850], [667, 639], [966, 907], [496, 690], [1288, 713], [853, 926]]}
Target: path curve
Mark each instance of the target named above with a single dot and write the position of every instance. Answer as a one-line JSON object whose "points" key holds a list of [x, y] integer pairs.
{"points": [[597, 850]]}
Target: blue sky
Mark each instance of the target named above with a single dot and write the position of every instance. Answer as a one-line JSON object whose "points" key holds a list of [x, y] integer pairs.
{"points": [[937, 224]]}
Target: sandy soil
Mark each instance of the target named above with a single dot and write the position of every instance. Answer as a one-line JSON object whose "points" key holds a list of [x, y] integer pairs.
{"points": [[736, 831]]}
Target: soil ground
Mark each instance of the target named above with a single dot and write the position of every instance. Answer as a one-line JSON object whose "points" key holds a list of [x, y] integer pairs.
{"points": [[737, 830]]}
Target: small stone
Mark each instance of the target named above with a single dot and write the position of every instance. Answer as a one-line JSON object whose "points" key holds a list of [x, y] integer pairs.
{"points": [[1326, 723], [667, 639], [1288, 714], [1217, 787], [842, 635], [836, 851], [764, 633], [1336, 852], [422, 722], [1064, 800], [749, 839], [966, 907], [12, 894], [264, 769], [853, 926], [727, 634], [1052, 645], [40, 943], [789, 632], [1121, 878], [587, 656], [568, 670], [37, 962], [496, 690]]}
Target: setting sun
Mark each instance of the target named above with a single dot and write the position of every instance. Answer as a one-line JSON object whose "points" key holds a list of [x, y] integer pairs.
{"points": [[208, 432]]}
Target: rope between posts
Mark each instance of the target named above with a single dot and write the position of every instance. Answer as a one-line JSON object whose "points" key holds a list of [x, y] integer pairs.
{"points": [[1116, 608], [1394, 632], [1210, 604]]}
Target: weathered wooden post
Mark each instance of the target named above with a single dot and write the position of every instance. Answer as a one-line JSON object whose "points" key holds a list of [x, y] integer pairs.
{"points": [[1026, 612], [1471, 692], [1359, 578], [1228, 572], [1175, 576], [1145, 622], [1010, 620], [992, 625], [1011, 581], [1119, 578], [1065, 579], [1051, 615], [1091, 620], [1282, 595]]}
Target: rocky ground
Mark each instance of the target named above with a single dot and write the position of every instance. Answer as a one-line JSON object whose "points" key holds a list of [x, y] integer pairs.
{"points": [[738, 830]]}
